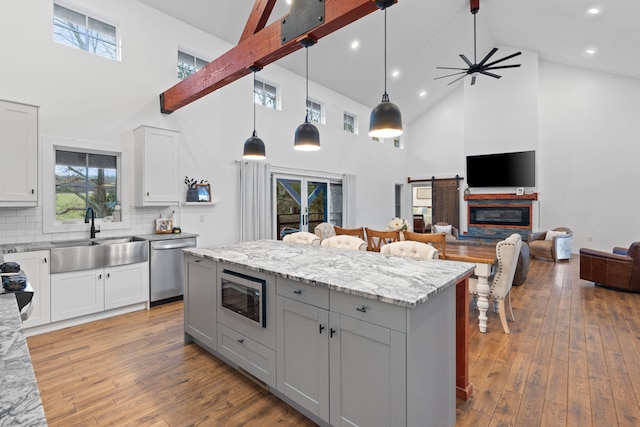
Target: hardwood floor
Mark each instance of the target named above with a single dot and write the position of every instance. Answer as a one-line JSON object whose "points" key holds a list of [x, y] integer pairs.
{"points": [[572, 359]]}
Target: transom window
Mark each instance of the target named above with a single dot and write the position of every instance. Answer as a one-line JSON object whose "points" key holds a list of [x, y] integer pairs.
{"points": [[188, 64], [265, 94], [314, 110], [78, 30], [350, 123], [85, 180]]}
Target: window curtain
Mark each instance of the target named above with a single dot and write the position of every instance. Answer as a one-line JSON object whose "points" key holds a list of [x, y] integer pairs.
{"points": [[255, 201], [349, 200]]}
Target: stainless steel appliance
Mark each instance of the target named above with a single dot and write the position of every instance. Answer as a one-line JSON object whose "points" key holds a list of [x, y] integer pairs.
{"points": [[244, 295], [166, 269]]}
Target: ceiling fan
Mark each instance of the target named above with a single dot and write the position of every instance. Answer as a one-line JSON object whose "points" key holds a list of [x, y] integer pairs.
{"points": [[483, 66]]}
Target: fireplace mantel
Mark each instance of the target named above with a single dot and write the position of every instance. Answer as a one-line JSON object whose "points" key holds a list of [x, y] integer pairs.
{"points": [[501, 196]]}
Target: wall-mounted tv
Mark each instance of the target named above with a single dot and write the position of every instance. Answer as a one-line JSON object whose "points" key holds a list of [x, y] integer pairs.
{"points": [[516, 169]]}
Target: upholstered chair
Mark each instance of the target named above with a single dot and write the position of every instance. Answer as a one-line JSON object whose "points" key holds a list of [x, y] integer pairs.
{"points": [[437, 240], [618, 270], [358, 232], [507, 252], [324, 230], [302, 237], [411, 249], [376, 239], [451, 232], [552, 244], [345, 242]]}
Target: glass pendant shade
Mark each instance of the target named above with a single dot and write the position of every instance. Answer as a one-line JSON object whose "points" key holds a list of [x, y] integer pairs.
{"points": [[385, 120], [307, 137], [254, 148]]}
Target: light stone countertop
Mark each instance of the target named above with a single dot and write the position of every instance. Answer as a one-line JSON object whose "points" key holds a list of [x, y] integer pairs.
{"points": [[395, 280], [20, 403]]}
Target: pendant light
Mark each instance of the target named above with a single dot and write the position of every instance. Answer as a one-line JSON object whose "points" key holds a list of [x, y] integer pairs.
{"points": [[307, 137], [385, 120], [253, 146]]}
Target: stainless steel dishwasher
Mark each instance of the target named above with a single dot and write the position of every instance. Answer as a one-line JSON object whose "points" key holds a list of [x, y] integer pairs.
{"points": [[166, 269]]}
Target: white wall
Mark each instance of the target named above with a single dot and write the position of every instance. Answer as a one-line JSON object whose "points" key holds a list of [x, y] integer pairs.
{"points": [[86, 97], [582, 125]]}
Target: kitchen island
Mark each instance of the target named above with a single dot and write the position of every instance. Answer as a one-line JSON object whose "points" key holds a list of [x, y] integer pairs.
{"points": [[20, 403], [346, 337]]}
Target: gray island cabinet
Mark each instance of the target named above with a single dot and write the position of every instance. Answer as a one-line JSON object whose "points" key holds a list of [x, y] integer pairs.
{"points": [[349, 338]]}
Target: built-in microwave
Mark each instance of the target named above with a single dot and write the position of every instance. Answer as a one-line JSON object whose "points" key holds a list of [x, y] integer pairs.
{"points": [[244, 295]]}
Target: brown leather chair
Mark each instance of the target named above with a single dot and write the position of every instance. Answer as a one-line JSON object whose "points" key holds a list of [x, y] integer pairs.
{"points": [[612, 270], [358, 232], [557, 248], [376, 239]]}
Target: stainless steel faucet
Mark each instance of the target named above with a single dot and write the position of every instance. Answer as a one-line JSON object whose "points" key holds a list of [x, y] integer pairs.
{"points": [[93, 226]]}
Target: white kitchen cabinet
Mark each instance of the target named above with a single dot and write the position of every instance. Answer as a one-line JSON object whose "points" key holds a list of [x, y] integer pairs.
{"points": [[126, 285], [200, 320], [19, 160], [35, 266], [156, 167], [76, 293]]}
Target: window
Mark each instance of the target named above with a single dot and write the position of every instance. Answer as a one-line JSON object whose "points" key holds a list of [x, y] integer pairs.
{"points": [[84, 180], [314, 111], [75, 29], [265, 94], [188, 64], [398, 200], [397, 143], [350, 123]]}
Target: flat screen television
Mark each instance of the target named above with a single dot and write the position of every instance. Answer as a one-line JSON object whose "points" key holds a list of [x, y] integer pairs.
{"points": [[516, 169]]}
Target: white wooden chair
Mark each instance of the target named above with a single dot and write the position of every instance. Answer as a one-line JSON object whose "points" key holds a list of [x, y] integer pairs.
{"points": [[411, 249]]}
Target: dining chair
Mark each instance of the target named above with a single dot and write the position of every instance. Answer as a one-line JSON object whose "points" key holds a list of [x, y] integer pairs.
{"points": [[438, 240], [324, 230], [376, 239], [411, 249], [345, 242], [358, 232], [507, 252], [302, 237]]}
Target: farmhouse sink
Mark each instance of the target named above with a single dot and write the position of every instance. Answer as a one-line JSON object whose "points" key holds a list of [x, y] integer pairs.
{"points": [[89, 254]]}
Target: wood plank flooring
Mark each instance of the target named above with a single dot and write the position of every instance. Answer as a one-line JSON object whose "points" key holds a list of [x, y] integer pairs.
{"points": [[572, 359]]}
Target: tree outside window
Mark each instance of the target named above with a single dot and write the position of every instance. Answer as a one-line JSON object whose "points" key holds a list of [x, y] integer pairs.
{"points": [[85, 180], [83, 32]]}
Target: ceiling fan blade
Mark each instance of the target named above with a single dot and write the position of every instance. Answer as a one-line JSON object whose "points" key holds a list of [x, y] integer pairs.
{"points": [[461, 77], [490, 74], [489, 55], [473, 80], [449, 75], [464, 58], [451, 68], [501, 66], [503, 59]]}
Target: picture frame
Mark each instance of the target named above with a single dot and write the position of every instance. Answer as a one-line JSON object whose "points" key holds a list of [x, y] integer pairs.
{"points": [[423, 193], [204, 193], [520, 191], [164, 225]]}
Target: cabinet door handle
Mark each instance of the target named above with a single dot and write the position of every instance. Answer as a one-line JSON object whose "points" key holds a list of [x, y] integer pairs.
{"points": [[147, 193], [99, 276], [108, 275], [332, 332], [45, 260], [33, 191], [297, 292], [362, 309], [321, 327], [197, 260], [241, 340]]}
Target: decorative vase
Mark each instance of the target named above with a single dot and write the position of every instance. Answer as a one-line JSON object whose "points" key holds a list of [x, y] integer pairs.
{"points": [[192, 195]]}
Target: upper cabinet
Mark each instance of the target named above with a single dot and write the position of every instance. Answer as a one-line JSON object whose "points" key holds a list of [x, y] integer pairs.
{"points": [[19, 159], [156, 167]]}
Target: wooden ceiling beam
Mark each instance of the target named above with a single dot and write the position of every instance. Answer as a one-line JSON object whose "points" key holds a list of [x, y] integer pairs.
{"points": [[261, 48], [258, 19]]}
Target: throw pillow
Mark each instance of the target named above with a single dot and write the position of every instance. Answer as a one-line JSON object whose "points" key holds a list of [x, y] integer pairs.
{"points": [[551, 234], [442, 229]]}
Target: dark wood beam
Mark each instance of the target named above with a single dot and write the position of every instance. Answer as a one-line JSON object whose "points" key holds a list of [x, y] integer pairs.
{"points": [[261, 49], [258, 18]]}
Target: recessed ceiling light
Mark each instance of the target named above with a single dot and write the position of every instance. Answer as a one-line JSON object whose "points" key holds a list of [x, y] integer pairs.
{"points": [[590, 51], [355, 44], [395, 73], [289, 2], [594, 11], [422, 93]]}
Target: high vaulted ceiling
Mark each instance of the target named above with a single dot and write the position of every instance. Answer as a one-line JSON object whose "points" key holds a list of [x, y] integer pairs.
{"points": [[424, 34]]}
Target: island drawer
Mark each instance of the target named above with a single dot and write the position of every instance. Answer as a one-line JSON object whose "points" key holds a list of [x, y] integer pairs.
{"points": [[308, 294], [253, 357], [379, 313]]}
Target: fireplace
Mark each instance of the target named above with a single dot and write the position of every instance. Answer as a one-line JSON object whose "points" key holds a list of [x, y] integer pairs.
{"points": [[500, 215]]}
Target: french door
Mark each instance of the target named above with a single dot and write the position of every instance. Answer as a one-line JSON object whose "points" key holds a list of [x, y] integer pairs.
{"points": [[301, 203]]}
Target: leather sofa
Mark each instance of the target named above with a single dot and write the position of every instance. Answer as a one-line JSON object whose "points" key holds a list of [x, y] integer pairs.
{"points": [[557, 247], [612, 270]]}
